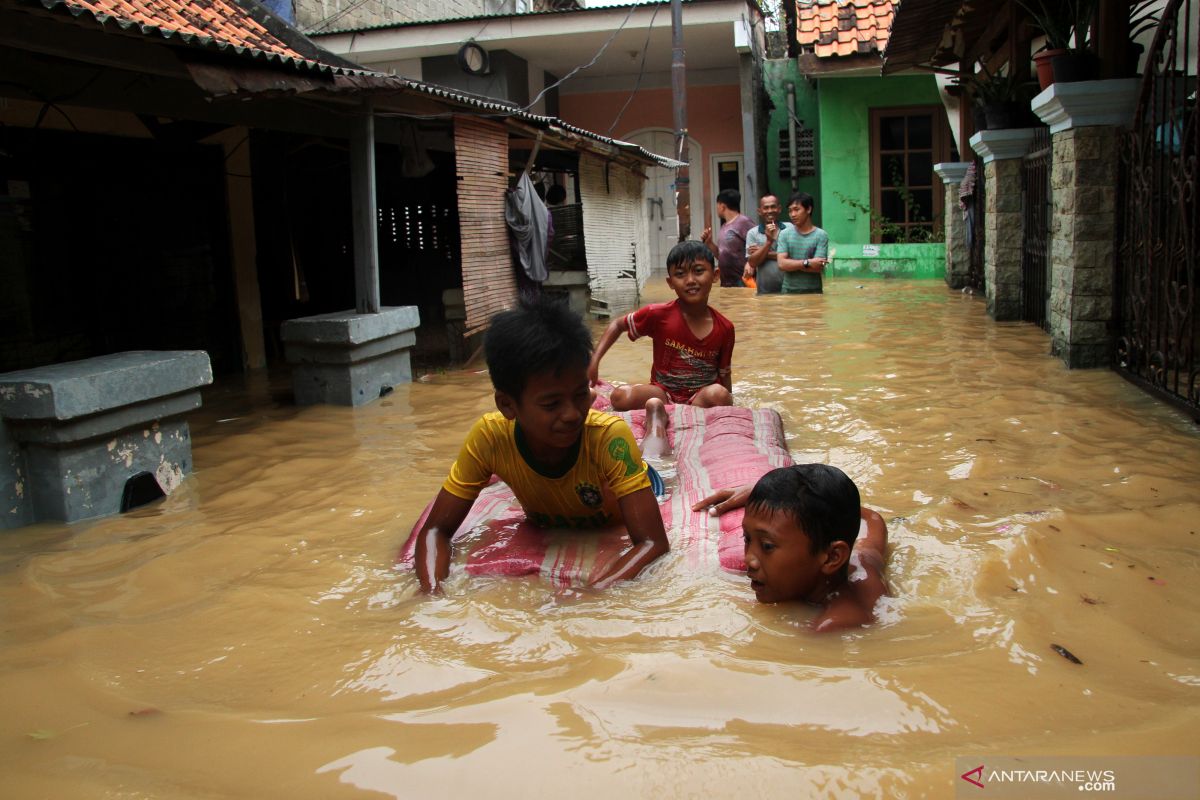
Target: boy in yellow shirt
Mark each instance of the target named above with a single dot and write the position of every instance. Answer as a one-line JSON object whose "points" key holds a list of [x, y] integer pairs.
{"points": [[568, 465]]}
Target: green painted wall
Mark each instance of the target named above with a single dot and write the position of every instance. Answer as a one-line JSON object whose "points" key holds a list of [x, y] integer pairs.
{"points": [[888, 261], [844, 144], [777, 73]]}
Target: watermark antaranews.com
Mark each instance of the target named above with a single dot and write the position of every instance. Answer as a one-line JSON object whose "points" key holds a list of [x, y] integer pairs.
{"points": [[1037, 777]]}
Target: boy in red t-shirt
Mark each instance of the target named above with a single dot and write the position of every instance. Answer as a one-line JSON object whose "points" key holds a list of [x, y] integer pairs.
{"points": [[693, 346]]}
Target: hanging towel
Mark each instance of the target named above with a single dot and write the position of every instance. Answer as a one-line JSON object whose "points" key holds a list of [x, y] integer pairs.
{"points": [[526, 216]]}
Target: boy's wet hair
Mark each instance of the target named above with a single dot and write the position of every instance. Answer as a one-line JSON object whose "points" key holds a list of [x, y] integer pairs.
{"points": [[820, 499], [802, 199], [540, 335], [687, 252]]}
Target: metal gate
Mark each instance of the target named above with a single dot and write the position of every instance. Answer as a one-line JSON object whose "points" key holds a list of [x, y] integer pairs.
{"points": [[1155, 303], [1035, 217], [972, 195]]}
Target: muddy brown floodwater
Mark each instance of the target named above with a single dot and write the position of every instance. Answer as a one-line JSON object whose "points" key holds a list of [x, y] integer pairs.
{"points": [[249, 636]]}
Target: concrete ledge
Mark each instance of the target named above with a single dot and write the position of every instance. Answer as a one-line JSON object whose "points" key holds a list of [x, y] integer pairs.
{"points": [[350, 327], [350, 359], [1064, 106], [952, 172], [1002, 144], [79, 388]]}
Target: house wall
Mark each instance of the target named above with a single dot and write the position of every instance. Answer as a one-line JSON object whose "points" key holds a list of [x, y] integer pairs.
{"points": [[777, 73], [714, 121], [844, 144], [332, 15]]}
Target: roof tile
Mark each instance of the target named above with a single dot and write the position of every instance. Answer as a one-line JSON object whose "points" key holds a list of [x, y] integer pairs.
{"points": [[831, 28], [225, 22]]}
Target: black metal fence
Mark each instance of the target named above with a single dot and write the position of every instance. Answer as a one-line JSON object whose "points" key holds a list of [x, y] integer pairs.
{"points": [[1035, 215], [975, 198], [1157, 249]]}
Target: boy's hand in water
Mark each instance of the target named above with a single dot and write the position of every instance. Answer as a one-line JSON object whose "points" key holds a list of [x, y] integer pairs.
{"points": [[724, 500]]}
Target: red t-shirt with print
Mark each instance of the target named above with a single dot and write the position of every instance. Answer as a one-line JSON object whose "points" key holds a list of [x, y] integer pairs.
{"points": [[683, 364]]}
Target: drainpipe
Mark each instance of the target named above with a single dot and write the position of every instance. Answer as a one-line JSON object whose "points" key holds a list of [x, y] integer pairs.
{"points": [[791, 109]]}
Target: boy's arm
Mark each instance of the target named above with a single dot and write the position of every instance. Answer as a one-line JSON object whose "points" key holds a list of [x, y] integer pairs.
{"points": [[432, 557], [855, 604], [643, 521], [614, 330]]}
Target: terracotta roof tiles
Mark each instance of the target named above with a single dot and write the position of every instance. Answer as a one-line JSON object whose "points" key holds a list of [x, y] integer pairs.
{"points": [[222, 24], [829, 28]]}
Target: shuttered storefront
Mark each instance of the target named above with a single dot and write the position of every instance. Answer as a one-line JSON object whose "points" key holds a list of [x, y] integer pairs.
{"points": [[489, 284]]}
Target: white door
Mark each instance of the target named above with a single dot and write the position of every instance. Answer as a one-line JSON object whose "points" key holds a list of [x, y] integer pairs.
{"points": [[726, 171]]}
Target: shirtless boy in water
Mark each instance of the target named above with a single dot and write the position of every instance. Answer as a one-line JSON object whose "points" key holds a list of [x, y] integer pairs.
{"points": [[808, 538], [693, 346]]}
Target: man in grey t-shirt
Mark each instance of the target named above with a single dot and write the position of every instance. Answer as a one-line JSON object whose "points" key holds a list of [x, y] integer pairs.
{"points": [[760, 247]]}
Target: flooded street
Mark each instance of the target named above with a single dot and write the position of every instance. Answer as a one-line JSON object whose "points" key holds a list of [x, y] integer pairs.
{"points": [[249, 636]]}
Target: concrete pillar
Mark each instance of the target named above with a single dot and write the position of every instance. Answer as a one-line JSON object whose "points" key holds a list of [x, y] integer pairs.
{"points": [[1002, 152], [1084, 121], [1083, 187], [958, 257], [74, 435], [350, 359]]}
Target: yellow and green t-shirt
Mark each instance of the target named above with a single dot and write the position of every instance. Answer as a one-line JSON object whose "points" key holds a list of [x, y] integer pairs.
{"points": [[608, 466]]}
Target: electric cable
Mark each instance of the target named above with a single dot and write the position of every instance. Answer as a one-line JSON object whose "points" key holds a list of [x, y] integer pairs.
{"points": [[595, 58], [641, 71]]}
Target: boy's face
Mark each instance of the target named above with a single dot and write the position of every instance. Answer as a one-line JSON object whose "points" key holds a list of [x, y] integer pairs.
{"points": [[692, 282], [768, 208], [780, 561], [551, 410], [799, 214]]}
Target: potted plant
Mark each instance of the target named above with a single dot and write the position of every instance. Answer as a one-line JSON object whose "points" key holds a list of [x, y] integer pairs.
{"points": [[1067, 25], [999, 98], [1142, 19]]}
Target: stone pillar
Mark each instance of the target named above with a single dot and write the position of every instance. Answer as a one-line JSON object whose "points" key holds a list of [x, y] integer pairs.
{"points": [[958, 257], [1002, 152], [1084, 119], [349, 359], [77, 435]]}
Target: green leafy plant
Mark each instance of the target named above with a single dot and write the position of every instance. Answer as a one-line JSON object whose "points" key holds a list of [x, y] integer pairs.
{"points": [[988, 88], [887, 230], [1060, 20], [1142, 17]]}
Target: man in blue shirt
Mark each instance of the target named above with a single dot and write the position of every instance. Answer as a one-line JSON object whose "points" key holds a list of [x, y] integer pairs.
{"points": [[803, 251]]}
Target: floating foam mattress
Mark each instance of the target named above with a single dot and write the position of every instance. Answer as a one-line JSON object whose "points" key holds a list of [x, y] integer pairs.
{"points": [[713, 449]]}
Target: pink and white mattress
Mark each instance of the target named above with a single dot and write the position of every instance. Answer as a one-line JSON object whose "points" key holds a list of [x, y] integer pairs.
{"points": [[713, 448]]}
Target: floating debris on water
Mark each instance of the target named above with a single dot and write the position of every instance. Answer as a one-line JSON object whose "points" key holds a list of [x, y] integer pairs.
{"points": [[1065, 653]]}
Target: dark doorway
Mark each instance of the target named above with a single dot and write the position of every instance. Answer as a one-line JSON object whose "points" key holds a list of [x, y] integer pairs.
{"points": [[110, 244]]}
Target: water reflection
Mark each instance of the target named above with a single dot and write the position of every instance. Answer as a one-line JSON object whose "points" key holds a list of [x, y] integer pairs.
{"points": [[258, 615]]}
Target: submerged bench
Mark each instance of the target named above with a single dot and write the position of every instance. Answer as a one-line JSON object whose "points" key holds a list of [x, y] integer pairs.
{"points": [[73, 435]]}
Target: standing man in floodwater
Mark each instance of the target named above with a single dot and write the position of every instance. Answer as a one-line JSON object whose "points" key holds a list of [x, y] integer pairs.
{"points": [[760, 246], [731, 251]]}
